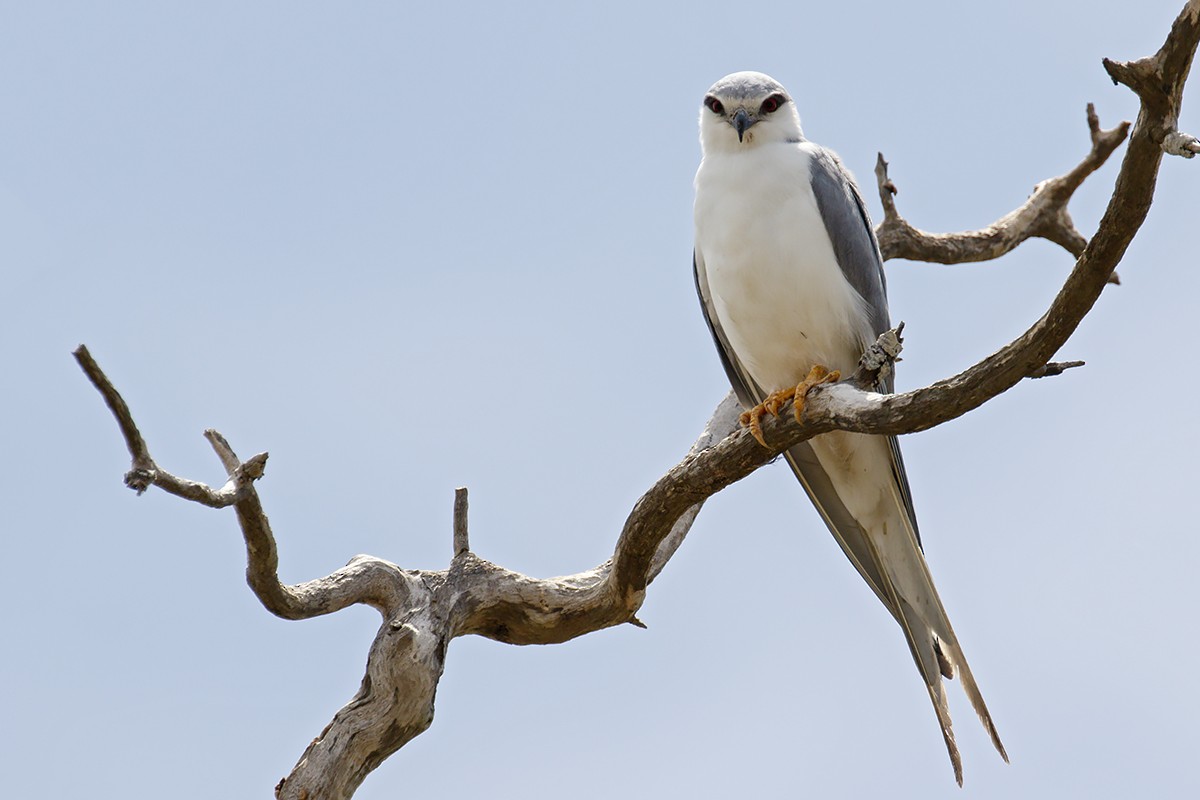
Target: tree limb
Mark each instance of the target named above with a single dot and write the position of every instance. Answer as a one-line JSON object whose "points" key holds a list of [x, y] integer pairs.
{"points": [[1043, 215], [1054, 368], [423, 610]]}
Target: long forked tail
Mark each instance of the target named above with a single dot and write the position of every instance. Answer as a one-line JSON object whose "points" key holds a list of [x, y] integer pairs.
{"points": [[937, 658], [918, 608], [885, 550], [956, 657]]}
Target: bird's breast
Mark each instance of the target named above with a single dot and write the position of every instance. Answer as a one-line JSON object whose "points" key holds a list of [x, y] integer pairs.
{"points": [[778, 292]]}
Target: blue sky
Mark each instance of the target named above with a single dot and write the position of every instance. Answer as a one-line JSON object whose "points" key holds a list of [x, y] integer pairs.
{"points": [[411, 248]]}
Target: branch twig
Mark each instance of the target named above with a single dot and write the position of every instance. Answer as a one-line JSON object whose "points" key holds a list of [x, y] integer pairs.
{"points": [[1054, 368], [461, 543]]}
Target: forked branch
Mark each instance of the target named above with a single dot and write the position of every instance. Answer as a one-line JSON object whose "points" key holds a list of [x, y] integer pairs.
{"points": [[1043, 215]]}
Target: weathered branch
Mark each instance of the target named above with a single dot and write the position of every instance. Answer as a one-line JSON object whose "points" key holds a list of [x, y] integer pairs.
{"points": [[462, 543], [1158, 80], [423, 610], [363, 580], [1054, 368], [1043, 215], [143, 472]]}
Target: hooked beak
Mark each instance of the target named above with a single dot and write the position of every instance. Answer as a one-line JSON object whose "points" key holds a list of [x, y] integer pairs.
{"points": [[742, 122]]}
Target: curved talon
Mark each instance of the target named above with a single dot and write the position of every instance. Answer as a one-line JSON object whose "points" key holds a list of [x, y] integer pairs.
{"points": [[752, 418]]}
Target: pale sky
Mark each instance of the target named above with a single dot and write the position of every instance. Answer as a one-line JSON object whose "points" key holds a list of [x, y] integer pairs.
{"points": [[408, 247]]}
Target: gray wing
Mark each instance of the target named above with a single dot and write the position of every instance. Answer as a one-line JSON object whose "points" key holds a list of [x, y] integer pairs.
{"points": [[857, 253], [936, 653], [802, 459]]}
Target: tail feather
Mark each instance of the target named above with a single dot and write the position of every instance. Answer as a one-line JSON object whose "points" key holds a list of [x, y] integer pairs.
{"points": [[931, 639], [973, 694], [878, 534], [942, 641], [937, 693], [930, 661]]}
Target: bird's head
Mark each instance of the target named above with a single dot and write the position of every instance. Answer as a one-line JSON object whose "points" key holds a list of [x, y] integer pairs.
{"points": [[747, 109]]}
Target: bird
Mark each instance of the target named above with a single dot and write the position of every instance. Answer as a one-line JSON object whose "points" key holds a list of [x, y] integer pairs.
{"points": [[791, 283]]}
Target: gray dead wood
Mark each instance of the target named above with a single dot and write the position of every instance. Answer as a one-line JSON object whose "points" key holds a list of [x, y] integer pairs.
{"points": [[423, 610], [1044, 214]]}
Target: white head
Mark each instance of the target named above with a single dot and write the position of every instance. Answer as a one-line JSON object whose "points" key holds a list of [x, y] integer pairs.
{"points": [[747, 109]]}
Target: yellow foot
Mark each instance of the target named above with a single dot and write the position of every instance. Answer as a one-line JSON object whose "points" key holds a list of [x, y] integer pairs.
{"points": [[816, 376], [752, 419]]}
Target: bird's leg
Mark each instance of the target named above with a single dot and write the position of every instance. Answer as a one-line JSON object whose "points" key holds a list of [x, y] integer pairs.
{"points": [[752, 419]]}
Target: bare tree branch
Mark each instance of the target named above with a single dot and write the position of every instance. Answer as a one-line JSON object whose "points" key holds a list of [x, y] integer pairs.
{"points": [[1055, 368], [462, 543], [1044, 214], [364, 580], [423, 610]]}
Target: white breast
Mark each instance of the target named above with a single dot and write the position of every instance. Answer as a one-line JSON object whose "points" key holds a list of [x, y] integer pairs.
{"points": [[779, 293]]}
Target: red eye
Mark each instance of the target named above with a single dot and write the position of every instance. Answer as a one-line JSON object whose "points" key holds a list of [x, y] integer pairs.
{"points": [[714, 105], [772, 103]]}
